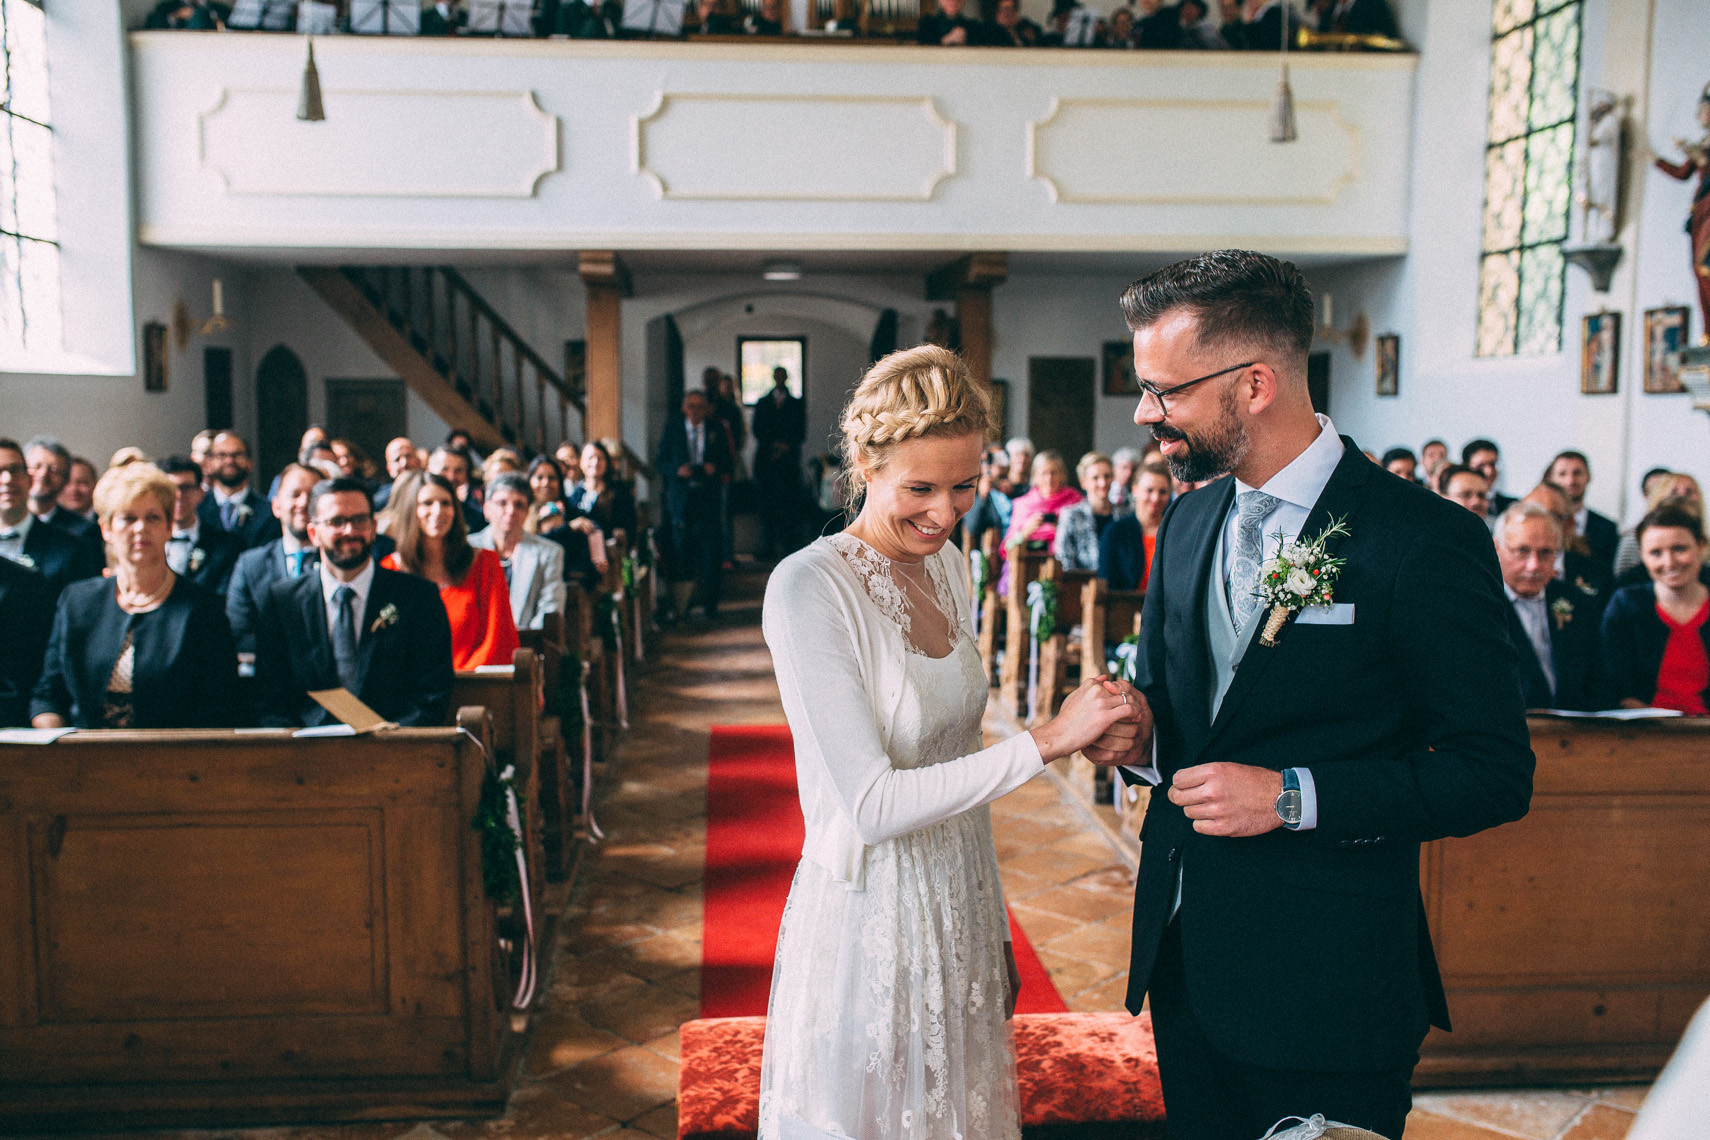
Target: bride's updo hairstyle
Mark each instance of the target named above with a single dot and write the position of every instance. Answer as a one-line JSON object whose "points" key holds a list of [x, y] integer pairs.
{"points": [[917, 393]]}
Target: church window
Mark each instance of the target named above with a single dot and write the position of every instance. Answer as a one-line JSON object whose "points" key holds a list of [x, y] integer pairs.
{"points": [[1528, 167], [29, 247], [756, 357]]}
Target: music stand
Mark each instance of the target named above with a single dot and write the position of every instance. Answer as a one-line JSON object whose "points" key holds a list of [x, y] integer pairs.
{"points": [[653, 17], [262, 15], [317, 19], [501, 17], [386, 17]]}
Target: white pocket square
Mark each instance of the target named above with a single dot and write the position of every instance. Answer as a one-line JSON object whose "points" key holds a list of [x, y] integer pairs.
{"points": [[1336, 613]]}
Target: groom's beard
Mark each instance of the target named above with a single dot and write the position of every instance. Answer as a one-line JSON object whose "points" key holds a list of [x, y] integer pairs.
{"points": [[1217, 452]]}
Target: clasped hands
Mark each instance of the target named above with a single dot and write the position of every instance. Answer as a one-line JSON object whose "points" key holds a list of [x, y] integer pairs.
{"points": [[1231, 800]]}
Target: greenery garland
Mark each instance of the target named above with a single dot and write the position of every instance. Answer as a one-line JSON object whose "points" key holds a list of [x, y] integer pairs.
{"points": [[499, 844], [1042, 601], [982, 574], [605, 619]]}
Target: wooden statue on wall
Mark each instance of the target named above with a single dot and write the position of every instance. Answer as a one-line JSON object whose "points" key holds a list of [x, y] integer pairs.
{"points": [[1697, 161]]}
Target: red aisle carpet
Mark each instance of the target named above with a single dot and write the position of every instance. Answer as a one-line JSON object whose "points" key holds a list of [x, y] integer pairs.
{"points": [[754, 839]]}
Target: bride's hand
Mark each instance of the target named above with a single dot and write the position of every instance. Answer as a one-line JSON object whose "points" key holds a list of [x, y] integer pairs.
{"points": [[1014, 977], [1088, 715]]}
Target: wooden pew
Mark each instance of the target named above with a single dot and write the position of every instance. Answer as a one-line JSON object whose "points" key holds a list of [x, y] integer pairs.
{"points": [[1108, 616], [991, 606], [1575, 943], [1056, 655], [1024, 567], [557, 774], [514, 698], [216, 928]]}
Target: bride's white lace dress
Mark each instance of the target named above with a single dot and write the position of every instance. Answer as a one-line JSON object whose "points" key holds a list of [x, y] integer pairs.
{"points": [[887, 1009]]}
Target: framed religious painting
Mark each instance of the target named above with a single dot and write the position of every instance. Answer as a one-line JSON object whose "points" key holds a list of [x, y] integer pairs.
{"points": [[1389, 364], [1119, 379], [154, 356], [1600, 354], [1665, 334]]}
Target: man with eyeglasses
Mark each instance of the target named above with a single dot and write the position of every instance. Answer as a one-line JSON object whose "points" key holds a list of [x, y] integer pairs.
{"points": [[234, 506], [1278, 926], [379, 634]]}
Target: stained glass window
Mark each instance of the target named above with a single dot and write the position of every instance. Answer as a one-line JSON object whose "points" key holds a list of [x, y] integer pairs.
{"points": [[1528, 173], [29, 247]]}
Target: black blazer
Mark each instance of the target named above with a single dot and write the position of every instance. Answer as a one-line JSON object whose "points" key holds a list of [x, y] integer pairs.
{"points": [[185, 669], [1573, 614], [404, 668], [613, 510], [674, 453], [78, 527], [252, 574], [26, 616], [213, 558], [1604, 538], [1122, 554], [1309, 949], [1634, 638], [61, 558], [784, 423], [258, 528]]}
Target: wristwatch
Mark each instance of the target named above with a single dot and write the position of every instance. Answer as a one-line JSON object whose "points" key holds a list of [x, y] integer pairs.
{"points": [[1288, 804]]}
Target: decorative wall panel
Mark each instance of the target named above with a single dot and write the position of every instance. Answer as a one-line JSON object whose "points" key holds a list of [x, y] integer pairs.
{"points": [[807, 148], [1167, 151], [403, 144]]}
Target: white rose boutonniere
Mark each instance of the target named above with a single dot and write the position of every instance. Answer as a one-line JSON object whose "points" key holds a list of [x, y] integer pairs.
{"points": [[243, 514], [25, 561], [1302, 574], [388, 618], [1562, 610], [197, 557]]}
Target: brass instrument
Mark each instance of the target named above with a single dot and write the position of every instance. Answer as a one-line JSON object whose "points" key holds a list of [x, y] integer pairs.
{"points": [[1310, 40]]}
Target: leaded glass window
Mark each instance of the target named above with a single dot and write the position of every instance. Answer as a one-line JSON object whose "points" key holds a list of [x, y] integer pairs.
{"points": [[1528, 168], [29, 246]]}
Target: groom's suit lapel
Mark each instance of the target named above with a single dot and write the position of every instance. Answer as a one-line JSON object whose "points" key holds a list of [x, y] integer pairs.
{"points": [[1191, 699], [1341, 499]]}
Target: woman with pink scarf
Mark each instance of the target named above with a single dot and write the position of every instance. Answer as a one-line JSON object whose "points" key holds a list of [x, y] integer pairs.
{"points": [[1033, 518]]}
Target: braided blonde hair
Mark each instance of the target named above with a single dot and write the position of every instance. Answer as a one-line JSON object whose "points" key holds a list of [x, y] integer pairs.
{"points": [[916, 393]]}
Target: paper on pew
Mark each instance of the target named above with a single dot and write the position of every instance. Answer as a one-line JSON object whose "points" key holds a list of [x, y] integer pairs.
{"points": [[344, 705], [32, 735], [1609, 714], [495, 668], [324, 730]]}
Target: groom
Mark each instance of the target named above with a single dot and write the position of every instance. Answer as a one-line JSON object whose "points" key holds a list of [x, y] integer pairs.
{"points": [[1278, 925]]}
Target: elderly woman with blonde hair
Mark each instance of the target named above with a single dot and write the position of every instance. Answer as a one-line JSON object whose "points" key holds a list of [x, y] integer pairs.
{"points": [[895, 974], [142, 648], [1083, 524]]}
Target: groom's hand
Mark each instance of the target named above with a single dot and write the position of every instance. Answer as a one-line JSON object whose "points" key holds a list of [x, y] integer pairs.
{"points": [[1128, 741], [1228, 799]]}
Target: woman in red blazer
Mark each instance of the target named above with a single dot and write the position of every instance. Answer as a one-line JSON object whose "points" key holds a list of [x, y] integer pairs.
{"points": [[433, 543]]}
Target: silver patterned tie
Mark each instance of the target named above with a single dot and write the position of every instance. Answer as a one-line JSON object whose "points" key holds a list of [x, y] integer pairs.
{"points": [[1251, 510]]}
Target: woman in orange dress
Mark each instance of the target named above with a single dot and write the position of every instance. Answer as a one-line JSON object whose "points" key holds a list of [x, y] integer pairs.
{"points": [[433, 543]]}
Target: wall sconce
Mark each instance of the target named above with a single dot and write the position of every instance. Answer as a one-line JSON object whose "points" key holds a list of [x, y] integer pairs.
{"points": [[217, 322], [184, 326], [1356, 335]]}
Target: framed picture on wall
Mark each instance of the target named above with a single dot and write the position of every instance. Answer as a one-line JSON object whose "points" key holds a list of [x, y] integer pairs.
{"points": [[1665, 332], [1000, 407], [1119, 379], [154, 356], [1600, 354], [1389, 364]]}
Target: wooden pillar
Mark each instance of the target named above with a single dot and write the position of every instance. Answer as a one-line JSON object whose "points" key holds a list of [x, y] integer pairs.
{"points": [[607, 283], [969, 282]]}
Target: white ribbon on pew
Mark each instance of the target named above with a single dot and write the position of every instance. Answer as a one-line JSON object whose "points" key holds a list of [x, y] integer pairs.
{"points": [[977, 570], [1129, 654], [1036, 610], [594, 832], [513, 816], [617, 634]]}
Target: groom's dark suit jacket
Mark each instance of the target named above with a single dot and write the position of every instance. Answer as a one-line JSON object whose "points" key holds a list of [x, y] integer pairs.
{"points": [[1308, 949]]}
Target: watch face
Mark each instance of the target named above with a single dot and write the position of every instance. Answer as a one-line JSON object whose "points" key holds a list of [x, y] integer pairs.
{"points": [[1288, 806]]}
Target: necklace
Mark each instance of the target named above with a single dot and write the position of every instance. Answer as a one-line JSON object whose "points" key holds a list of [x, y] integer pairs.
{"points": [[129, 599]]}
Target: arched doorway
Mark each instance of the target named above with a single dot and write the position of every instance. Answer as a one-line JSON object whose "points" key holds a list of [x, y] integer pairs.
{"points": [[281, 411]]}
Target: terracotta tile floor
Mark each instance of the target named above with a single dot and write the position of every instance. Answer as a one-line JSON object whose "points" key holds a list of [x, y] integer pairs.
{"points": [[601, 1057]]}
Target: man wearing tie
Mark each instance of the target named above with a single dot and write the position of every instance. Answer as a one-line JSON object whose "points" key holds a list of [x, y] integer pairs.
{"points": [[287, 556], [203, 555], [694, 458], [1552, 623], [234, 507], [1279, 931], [379, 634], [57, 556], [50, 470]]}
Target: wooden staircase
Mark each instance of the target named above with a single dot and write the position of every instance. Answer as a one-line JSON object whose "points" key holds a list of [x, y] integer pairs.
{"points": [[449, 346]]}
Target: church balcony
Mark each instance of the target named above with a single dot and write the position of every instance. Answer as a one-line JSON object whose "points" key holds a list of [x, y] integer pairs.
{"points": [[540, 145]]}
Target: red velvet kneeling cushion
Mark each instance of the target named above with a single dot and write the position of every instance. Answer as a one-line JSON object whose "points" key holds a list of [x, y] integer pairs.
{"points": [[1071, 1068]]}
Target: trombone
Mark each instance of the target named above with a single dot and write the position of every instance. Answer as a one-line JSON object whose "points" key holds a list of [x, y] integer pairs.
{"points": [[1311, 40]]}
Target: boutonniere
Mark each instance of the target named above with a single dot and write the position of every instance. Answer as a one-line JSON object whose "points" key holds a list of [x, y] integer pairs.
{"points": [[243, 514], [1562, 610], [25, 561], [1302, 574], [1585, 587], [197, 557], [388, 618]]}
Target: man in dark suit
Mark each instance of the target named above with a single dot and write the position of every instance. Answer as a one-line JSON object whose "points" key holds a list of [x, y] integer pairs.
{"points": [[780, 428], [694, 461], [1278, 926], [25, 539], [26, 617], [350, 624], [1552, 622], [947, 27], [1571, 472], [291, 555], [234, 506], [202, 554], [1481, 455], [50, 470]]}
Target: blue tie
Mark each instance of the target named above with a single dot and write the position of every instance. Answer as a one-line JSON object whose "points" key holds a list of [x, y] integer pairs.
{"points": [[228, 513], [344, 637], [296, 558]]}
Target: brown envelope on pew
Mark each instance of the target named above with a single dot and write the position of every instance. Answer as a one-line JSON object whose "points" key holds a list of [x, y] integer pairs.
{"points": [[345, 705]]}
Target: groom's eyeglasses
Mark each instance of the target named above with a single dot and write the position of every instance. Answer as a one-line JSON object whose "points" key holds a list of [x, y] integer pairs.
{"points": [[1164, 395]]}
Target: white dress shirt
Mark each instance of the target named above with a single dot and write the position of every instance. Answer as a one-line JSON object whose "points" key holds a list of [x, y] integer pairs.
{"points": [[179, 546], [362, 583], [1535, 619], [697, 441]]}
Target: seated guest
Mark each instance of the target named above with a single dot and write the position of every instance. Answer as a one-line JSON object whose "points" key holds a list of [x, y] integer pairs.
{"points": [[1401, 461], [500, 462], [1552, 624], [1073, 24], [1263, 27], [1009, 28], [78, 494], [580, 20], [1124, 462], [1666, 487], [1118, 31], [1160, 26], [1656, 637], [1574, 563], [1125, 551], [400, 457], [50, 467], [1199, 27], [1035, 516], [1467, 487], [554, 517], [607, 504], [1482, 456], [350, 624], [770, 22], [1084, 523], [947, 26], [291, 555], [992, 504], [352, 461], [714, 21], [201, 554], [534, 567], [26, 616], [235, 507], [320, 456], [56, 555], [144, 648], [434, 544], [1020, 451], [456, 466], [1570, 471], [1432, 458], [401, 504]]}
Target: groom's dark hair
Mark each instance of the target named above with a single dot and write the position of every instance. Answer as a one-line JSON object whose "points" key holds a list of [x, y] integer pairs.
{"points": [[1240, 298]]}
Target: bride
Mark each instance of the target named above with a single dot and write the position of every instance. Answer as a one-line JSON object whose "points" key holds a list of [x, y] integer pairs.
{"points": [[895, 977]]}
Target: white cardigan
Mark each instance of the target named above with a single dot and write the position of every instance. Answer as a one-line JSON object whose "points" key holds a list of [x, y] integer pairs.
{"points": [[840, 667]]}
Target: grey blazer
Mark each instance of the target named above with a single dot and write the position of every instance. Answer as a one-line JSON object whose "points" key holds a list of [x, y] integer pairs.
{"points": [[537, 577]]}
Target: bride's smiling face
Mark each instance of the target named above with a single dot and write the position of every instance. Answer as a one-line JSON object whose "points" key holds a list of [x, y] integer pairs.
{"points": [[919, 494]]}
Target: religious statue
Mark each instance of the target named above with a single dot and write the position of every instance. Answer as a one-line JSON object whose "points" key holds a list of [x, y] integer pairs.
{"points": [[1697, 161], [1600, 172]]}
